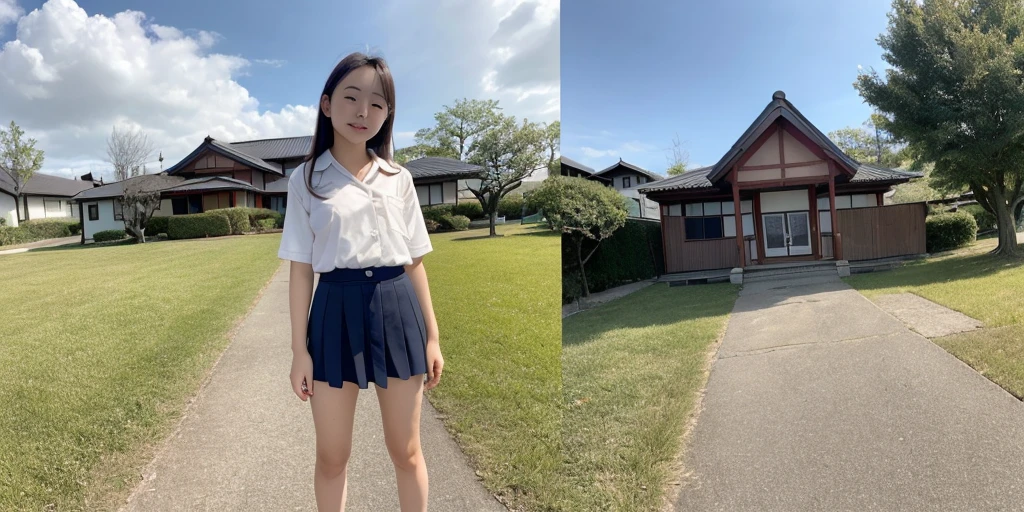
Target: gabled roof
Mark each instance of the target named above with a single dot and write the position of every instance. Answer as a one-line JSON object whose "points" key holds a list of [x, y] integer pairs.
{"points": [[566, 161], [441, 167], [230, 151], [150, 182], [701, 178], [41, 184], [276, 149], [780, 107], [627, 165], [211, 183]]}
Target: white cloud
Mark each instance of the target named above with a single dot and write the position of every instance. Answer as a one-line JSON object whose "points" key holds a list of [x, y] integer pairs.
{"points": [[271, 62], [9, 12], [70, 77], [403, 139]]}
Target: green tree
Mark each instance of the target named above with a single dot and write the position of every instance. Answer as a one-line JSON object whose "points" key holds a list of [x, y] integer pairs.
{"points": [[457, 127], [869, 144], [412, 152], [509, 152], [954, 95], [19, 159], [552, 138], [127, 152], [679, 160], [580, 208]]}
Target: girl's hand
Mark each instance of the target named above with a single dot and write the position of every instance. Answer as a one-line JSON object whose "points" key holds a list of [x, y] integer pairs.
{"points": [[302, 375], [435, 363]]}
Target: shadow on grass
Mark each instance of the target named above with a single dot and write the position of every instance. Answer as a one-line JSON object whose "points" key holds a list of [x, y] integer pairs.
{"points": [[925, 272], [657, 305]]}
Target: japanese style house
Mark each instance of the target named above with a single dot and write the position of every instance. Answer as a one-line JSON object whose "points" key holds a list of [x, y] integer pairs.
{"points": [[791, 194]]}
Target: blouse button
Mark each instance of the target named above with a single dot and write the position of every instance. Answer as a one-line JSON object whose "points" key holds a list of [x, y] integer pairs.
{"points": [[369, 273], [373, 233]]}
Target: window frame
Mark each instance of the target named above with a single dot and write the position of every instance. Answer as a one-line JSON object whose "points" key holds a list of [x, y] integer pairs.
{"points": [[94, 211]]}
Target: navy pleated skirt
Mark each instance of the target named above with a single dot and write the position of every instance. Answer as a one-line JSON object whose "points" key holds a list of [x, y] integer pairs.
{"points": [[366, 325]]}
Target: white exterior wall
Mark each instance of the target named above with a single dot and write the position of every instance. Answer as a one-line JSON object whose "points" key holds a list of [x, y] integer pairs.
{"points": [[9, 210], [784, 201], [37, 207], [165, 210], [106, 218]]}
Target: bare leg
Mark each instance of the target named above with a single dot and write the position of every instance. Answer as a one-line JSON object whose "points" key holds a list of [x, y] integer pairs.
{"points": [[333, 416], [400, 411]]}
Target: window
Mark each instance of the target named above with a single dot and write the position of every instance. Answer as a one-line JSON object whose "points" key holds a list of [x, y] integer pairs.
{"points": [[430, 194], [52, 206], [94, 212], [713, 220], [640, 180], [118, 213], [625, 182]]}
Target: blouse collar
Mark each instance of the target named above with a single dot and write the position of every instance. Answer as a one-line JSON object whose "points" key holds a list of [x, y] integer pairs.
{"points": [[326, 159]]}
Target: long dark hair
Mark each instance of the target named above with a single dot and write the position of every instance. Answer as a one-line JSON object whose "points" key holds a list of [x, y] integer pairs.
{"points": [[323, 134]]}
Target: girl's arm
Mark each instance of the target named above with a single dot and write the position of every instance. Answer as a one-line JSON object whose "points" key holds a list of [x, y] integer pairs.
{"points": [[300, 294], [418, 275]]}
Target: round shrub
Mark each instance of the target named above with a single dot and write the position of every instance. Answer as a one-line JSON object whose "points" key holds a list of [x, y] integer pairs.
{"points": [[432, 225], [947, 231], [156, 225], [437, 211], [264, 224], [984, 219], [455, 222], [238, 219], [109, 235], [471, 208]]}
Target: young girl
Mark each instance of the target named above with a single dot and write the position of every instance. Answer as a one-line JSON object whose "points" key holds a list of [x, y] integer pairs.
{"points": [[353, 217]]}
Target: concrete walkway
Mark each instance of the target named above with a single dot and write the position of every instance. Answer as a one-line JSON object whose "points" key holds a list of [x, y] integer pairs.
{"points": [[52, 242], [602, 297], [821, 401], [248, 443]]}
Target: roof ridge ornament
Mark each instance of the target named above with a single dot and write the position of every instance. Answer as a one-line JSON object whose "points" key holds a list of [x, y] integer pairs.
{"points": [[778, 95]]}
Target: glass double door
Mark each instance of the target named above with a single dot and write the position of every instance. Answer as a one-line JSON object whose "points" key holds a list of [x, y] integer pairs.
{"points": [[787, 234]]}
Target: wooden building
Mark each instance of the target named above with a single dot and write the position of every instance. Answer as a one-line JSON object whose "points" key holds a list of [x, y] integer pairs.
{"points": [[790, 194]]}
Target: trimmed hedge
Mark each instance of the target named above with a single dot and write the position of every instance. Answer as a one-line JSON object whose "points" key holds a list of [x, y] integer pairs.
{"points": [[198, 225], [15, 236], [949, 231], [156, 225], [985, 220], [266, 223], [42, 229], [237, 219], [437, 211], [511, 207], [631, 254], [109, 235]]}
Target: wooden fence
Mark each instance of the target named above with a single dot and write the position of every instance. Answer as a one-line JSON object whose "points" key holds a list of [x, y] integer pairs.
{"points": [[882, 231]]}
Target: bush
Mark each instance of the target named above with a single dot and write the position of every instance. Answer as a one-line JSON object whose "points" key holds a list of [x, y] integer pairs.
{"points": [[455, 222], [263, 224], [109, 235], [238, 219], [198, 225], [258, 214], [949, 231], [437, 211], [156, 225], [985, 220], [471, 208], [42, 229], [14, 236], [511, 206], [432, 225]]}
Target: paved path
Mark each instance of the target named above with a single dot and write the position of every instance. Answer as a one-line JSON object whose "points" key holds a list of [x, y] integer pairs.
{"points": [[51, 242], [247, 443], [821, 401]]}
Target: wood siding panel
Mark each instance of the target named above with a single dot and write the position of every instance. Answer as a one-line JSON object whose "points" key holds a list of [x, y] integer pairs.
{"points": [[882, 231], [683, 256]]}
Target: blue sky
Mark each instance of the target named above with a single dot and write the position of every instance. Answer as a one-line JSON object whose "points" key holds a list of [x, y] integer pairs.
{"points": [[635, 74], [255, 68]]}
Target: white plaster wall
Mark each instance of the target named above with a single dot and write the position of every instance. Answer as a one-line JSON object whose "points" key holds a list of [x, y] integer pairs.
{"points": [[796, 152], [165, 210], [784, 201], [106, 218], [761, 175], [9, 210], [768, 153]]}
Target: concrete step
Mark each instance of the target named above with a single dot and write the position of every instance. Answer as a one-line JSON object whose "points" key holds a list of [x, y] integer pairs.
{"points": [[778, 275], [782, 271]]}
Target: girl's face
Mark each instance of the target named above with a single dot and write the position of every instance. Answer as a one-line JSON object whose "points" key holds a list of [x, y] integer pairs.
{"points": [[357, 107]]}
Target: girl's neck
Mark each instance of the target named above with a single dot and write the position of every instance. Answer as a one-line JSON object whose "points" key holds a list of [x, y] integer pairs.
{"points": [[352, 157]]}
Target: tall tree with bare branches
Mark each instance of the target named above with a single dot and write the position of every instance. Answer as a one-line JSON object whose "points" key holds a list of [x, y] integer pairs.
{"points": [[127, 152]]}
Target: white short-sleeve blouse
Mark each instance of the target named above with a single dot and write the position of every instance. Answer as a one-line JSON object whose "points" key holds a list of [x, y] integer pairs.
{"points": [[376, 222]]}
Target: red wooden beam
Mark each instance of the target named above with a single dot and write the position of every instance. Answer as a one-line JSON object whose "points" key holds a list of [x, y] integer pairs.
{"points": [[739, 216], [758, 228], [664, 247], [782, 151], [791, 182], [755, 146], [787, 166]]}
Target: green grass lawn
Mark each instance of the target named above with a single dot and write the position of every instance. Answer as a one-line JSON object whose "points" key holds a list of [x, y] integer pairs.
{"points": [[631, 371], [498, 304], [99, 351], [102, 347], [979, 285]]}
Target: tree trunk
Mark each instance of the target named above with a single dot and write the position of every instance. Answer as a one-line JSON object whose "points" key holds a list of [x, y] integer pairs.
{"points": [[579, 262], [1007, 230], [494, 218]]}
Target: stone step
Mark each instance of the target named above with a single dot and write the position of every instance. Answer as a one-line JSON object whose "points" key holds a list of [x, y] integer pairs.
{"points": [[755, 271], [775, 276]]}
